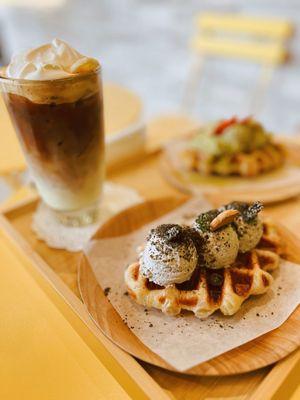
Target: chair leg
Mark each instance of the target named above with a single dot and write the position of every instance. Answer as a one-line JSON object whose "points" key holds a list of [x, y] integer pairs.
{"points": [[260, 90], [192, 85]]}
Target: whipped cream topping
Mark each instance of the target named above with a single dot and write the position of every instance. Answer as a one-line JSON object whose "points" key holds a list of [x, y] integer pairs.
{"points": [[53, 60], [170, 255]]}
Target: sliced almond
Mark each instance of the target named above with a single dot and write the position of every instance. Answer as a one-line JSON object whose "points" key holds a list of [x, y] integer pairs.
{"points": [[224, 218]]}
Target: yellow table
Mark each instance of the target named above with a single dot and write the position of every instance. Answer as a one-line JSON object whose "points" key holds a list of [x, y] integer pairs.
{"points": [[42, 357]]}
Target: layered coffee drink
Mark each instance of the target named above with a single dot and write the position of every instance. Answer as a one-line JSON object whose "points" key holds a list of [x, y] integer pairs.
{"points": [[54, 98]]}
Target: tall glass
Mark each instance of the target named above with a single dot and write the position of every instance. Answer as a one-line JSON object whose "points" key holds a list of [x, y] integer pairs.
{"points": [[60, 126]]}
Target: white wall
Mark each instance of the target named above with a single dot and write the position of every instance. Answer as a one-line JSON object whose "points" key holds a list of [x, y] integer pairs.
{"points": [[143, 44]]}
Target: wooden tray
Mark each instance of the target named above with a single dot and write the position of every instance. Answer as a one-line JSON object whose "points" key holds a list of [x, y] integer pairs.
{"points": [[258, 353], [59, 267]]}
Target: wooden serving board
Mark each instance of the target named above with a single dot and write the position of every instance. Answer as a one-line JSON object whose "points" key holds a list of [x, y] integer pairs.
{"points": [[258, 353]]}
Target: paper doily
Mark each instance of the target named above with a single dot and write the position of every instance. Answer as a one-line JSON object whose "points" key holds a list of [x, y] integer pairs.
{"points": [[46, 226]]}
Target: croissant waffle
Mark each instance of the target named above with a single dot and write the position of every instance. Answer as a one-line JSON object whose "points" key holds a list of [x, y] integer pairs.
{"points": [[209, 290], [259, 161]]}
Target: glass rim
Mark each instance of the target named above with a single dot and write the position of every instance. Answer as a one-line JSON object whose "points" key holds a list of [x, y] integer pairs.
{"points": [[23, 81]]}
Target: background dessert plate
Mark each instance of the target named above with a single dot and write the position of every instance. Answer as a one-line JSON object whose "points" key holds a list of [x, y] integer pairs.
{"points": [[258, 353], [278, 185]]}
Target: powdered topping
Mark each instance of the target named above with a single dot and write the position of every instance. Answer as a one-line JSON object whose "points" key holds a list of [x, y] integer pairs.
{"points": [[203, 221], [170, 255], [248, 226]]}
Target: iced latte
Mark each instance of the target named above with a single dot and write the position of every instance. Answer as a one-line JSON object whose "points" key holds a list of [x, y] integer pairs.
{"points": [[54, 98]]}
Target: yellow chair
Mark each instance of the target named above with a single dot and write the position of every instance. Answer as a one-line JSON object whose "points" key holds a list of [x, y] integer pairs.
{"points": [[260, 40]]}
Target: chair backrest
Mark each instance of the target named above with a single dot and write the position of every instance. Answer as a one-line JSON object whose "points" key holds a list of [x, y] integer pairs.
{"points": [[260, 40], [256, 39]]}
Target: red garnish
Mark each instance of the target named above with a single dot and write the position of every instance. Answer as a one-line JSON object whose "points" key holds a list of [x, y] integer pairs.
{"points": [[225, 124], [231, 121]]}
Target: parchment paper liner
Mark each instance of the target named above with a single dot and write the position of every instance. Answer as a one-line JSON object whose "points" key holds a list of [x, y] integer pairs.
{"points": [[186, 341]]}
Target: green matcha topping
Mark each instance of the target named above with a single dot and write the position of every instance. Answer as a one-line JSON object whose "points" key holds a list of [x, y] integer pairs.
{"points": [[248, 212], [203, 220], [231, 136]]}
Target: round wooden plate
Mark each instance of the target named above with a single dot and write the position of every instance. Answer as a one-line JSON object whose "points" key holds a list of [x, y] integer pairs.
{"points": [[258, 353], [279, 185]]}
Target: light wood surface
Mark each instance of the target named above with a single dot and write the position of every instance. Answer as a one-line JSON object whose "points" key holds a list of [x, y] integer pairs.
{"points": [[258, 353], [55, 265], [63, 280], [122, 108], [42, 357], [162, 129], [279, 374]]}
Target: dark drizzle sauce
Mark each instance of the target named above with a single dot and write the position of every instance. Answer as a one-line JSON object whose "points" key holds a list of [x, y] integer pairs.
{"points": [[241, 282], [153, 286], [264, 243], [192, 283], [243, 260]]}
